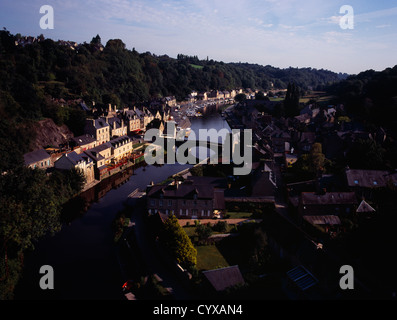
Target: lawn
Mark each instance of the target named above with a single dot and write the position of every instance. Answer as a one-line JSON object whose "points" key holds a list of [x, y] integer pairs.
{"points": [[209, 257], [238, 215], [276, 99], [195, 66]]}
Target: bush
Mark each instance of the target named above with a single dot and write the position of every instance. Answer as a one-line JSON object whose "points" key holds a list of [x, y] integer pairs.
{"points": [[220, 226], [203, 231]]}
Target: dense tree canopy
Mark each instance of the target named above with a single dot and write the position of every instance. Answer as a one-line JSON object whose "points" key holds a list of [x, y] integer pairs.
{"points": [[30, 207], [370, 95]]}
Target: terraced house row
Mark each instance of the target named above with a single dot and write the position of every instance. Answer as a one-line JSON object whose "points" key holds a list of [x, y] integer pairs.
{"points": [[96, 162], [105, 145]]}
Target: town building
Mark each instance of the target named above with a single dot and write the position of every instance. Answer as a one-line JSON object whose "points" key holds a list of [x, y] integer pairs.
{"points": [[223, 278], [188, 200], [99, 129], [328, 203], [38, 159], [79, 162], [83, 143], [121, 148], [133, 122], [101, 156], [363, 182], [116, 126]]}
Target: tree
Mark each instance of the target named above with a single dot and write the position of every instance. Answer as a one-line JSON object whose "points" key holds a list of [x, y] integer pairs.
{"points": [[261, 96], [310, 165], [291, 101], [240, 97], [178, 242], [96, 40], [366, 154], [30, 207]]}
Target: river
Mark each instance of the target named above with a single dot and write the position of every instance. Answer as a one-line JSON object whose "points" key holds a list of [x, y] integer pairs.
{"points": [[82, 254]]}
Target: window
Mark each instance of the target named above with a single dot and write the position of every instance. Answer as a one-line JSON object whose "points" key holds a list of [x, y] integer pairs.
{"points": [[375, 183], [160, 203], [356, 181], [169, 203], [152, 202]]}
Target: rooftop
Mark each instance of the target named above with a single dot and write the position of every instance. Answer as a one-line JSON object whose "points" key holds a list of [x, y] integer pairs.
{"points": [[369, 178], [224, 278], [329, 198], [35, 156]]}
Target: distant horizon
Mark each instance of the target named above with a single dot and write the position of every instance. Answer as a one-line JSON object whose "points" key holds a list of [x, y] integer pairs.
{"points": [[283, 34]]}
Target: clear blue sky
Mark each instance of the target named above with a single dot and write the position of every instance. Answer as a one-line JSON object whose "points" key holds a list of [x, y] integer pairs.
{"points": [[282, 33]]}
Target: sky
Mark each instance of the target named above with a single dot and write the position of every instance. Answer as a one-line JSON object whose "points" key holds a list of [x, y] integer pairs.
{"points": [[281, 33]]}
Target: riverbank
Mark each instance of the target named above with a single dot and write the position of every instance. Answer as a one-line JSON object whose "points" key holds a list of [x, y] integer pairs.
{"points": [[112, 171], [83, 254]]}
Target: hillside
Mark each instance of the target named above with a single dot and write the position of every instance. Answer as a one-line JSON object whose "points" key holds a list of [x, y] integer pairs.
{"points": [[47, 133], [35, 73], [112, 73]]}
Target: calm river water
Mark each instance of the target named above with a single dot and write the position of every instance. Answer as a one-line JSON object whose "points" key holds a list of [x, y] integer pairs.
{"points": [[82, 254]]}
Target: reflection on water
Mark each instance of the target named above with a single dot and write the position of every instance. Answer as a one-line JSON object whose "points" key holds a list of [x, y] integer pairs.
{"points": [[82, 253], [80, 204]]}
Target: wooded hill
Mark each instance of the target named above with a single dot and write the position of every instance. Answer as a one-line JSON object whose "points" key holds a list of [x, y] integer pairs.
{"points": [[121, 76]]}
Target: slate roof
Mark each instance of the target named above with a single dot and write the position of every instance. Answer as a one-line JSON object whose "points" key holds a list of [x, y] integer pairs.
{"points": [[311, 198], [35, 156], [369, 178], [182, 191], [75, 158], [224, 278], [365, 207], [100, 123], [83, 139], [120, 140], [323, 220]]}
